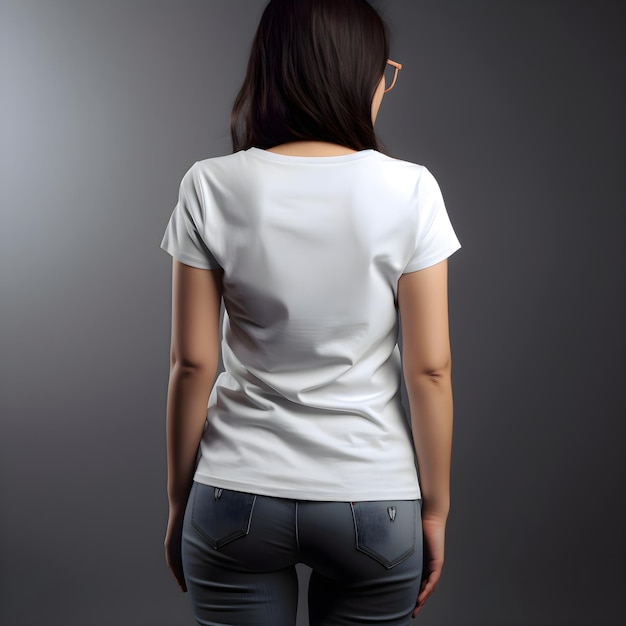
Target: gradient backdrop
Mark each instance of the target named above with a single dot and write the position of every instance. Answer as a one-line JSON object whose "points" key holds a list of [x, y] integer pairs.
{"points": [[517, 107]]}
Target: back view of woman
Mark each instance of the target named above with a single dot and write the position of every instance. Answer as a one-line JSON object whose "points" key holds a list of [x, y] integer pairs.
{"points": [[315, 240]]}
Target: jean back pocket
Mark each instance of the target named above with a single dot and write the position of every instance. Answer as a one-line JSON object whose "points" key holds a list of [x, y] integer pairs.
{"points": [[386, 530], [221, 515]]}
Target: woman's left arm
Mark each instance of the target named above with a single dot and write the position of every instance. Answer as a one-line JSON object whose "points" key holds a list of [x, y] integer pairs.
{"points": [[196, 300]]}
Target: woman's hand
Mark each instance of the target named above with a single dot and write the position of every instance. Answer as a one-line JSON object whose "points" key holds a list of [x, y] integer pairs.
{"points": [[434, 530], [173, 541]]}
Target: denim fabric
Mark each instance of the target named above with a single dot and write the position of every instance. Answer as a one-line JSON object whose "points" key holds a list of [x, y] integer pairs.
{"points": [[240, 551]]}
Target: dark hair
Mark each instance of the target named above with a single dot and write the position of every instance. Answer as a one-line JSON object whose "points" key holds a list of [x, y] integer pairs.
{"points": [[314, 67]]}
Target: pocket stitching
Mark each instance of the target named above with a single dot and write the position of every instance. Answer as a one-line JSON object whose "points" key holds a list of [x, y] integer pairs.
{"points": [[380, 558], [236, 534]]}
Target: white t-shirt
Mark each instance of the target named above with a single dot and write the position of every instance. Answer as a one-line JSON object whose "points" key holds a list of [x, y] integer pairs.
{"points": [[312, 248]]}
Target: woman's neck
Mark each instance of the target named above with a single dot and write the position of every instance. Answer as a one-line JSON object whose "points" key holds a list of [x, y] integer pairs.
{"points": [[311, 148]]}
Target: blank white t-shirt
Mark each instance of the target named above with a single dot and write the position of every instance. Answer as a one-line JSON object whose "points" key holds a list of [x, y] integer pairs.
{"points": [[312, 248]]}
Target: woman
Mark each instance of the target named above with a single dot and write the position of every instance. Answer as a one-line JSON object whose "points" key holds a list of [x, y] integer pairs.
{"points": [[315, 240]]}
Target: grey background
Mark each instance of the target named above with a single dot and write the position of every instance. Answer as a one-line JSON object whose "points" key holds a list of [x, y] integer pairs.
{"points": [[517, 107]]}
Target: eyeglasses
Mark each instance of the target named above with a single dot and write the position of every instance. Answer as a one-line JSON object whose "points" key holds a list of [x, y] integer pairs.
{"points": [[397, 67]]}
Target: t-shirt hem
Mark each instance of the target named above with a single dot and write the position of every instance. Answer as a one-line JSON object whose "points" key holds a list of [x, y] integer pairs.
{"points": [[188, 260], [317, 495], [432, 260]]}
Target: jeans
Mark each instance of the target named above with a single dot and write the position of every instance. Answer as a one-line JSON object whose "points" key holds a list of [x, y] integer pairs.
{"points": [[240, 549]]}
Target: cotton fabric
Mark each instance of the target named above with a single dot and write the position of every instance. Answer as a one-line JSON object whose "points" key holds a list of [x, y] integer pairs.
{"points": [[312, 248]]}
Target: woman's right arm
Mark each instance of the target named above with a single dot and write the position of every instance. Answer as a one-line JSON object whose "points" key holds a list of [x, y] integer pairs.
{"points": [[426, 362]]}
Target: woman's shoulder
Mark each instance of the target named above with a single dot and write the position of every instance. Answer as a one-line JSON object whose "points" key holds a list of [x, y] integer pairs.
{"points": [[256, 164], [218, 161], [217, 168], [409, 174], [401, 164]]}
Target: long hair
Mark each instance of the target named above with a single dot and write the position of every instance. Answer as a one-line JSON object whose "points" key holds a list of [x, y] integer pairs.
{"points": [[314, 67]]}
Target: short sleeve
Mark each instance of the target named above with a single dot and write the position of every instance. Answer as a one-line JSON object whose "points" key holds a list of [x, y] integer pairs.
{"points": [[183, 237], [435, 237]]}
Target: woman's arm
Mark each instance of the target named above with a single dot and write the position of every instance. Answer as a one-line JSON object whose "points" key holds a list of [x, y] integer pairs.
{"points": [[196, 300], [426, 360]]}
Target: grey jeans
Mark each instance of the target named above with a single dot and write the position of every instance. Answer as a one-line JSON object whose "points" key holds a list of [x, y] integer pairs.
{"points": [[240, 550]]}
